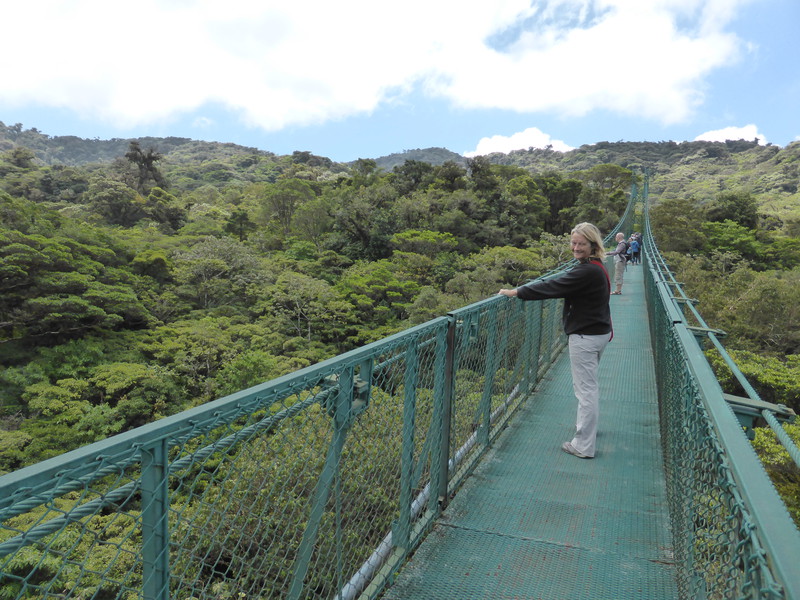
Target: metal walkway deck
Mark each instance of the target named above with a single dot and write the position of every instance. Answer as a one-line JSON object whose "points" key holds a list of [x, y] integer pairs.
{"points": [[536, 523]]}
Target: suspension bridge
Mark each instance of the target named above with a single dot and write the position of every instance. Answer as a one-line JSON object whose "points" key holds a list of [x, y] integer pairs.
{"points": [[428, 465]]}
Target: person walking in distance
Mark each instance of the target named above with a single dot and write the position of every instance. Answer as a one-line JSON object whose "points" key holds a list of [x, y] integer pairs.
{"points": [[587, 323], [636, 248], [620, 262]]}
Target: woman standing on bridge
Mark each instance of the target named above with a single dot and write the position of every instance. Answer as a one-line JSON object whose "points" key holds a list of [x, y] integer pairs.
{"points": [[587, 323], [620, 262]]}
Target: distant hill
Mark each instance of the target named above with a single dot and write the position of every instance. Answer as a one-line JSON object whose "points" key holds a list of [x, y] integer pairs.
{"points": [[434, 156], [74, 151], [697, 170]]}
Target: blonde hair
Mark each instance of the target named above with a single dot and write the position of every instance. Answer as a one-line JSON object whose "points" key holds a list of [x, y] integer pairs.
{"points": [[593, 236]]}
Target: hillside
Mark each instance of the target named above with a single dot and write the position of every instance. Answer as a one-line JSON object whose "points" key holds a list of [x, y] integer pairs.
{"points": [[688, 170], [685, 170]]}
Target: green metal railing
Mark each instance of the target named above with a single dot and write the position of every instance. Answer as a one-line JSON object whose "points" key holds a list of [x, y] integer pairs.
{"points": [[315, 485], [732, 535]]}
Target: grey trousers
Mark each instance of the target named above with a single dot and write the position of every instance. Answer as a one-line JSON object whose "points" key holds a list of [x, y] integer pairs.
{"points": [[619, 272], [584, 356]]}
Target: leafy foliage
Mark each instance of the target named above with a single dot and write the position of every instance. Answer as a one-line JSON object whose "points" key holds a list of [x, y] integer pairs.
{"points": [[784, 473], [140, 277]]}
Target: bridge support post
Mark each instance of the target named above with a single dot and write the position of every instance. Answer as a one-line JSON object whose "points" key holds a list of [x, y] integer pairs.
{"points": [[439, 428], [330, 472], [448, 385], [155, 525]]}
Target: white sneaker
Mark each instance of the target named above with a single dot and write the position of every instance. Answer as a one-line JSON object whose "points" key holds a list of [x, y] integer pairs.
{"points": [[570, 449]]}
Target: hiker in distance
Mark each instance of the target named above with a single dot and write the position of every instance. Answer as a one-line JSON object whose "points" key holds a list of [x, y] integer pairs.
{"points": [[620, 262]]}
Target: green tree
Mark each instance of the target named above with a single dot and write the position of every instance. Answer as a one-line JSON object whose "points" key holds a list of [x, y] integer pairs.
{"points": [[603, 197], [782, 252], [215, 271], [378, 294], [145, 163], [780, 466], [775, 378], [162, 207], [251, 368], [561, 194], [739, 207], [239, 224], [510, 265], [18, 157], [310, 310], [280, 201], [431, 303], [450, 177], [677, 224], [483, 178], [60, 183], [365, 173], [115, 202], [411, 176], [152, 262], [525, 210], [756, 309], [414, 267], [475, 284], [58, 288], [313, 220], [139, 393], [365, 222], [426, 242], [13, 444], [729, 236], [461, 214], [195, 350]]}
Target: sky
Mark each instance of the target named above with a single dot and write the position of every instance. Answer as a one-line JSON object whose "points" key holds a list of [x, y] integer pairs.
{"points": [[366, 78]]}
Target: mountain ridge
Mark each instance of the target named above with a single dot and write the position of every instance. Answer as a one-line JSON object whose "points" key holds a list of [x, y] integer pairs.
{"points": [[696, 169]]}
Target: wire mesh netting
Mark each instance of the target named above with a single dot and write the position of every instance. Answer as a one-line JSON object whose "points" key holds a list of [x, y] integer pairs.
{"points": [[715, 542], [78, 529], [720, 551], [314, 485]]}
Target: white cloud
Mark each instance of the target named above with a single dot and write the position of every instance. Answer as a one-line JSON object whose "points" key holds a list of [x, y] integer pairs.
{"points": [[203, 123], [530, 138], [748, 132], [309, 61]]}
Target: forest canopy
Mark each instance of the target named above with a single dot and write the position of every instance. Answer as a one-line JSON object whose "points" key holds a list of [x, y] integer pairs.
{"points": [[143, 277]]}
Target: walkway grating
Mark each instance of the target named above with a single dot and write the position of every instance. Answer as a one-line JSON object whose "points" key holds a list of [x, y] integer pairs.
{"points": [[533, 522]]}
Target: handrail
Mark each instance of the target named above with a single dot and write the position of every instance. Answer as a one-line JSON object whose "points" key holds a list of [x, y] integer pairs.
{"points": [[736, 509], [304, 467]]}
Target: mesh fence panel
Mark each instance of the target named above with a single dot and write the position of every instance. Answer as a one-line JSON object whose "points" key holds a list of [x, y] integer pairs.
{"points": [[77, 529], [718, 549], [315, 485]]}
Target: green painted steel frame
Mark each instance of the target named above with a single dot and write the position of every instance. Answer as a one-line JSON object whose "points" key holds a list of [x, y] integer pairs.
{"points": [[509, 370], [765, 542]]}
